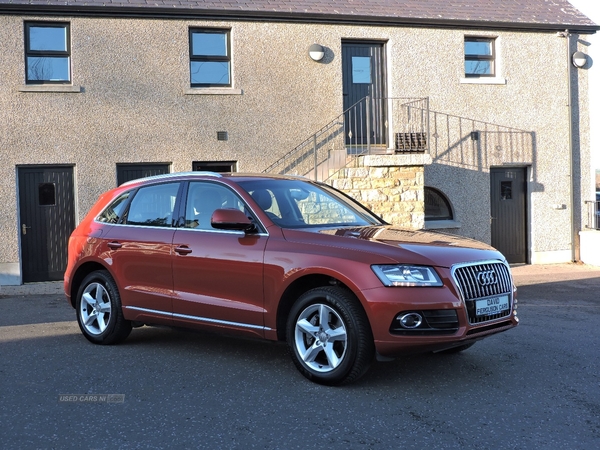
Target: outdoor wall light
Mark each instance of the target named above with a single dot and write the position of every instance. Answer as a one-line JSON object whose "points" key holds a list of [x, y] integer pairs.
{"points": [[579, 59], [316, 52]]}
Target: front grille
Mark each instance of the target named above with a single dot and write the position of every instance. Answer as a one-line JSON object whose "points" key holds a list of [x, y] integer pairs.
{"points": [[481, 281]]}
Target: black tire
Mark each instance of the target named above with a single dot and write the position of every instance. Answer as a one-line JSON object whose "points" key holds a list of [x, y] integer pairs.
{"points": [[454, 350], [337, 352], [99, 312]]}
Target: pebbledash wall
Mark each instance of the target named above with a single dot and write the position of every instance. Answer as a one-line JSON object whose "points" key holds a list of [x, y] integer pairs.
{"points": [[132, 103]]}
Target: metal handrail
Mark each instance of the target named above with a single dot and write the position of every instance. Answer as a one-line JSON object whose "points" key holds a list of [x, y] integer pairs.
{"points": [[370, 125]]}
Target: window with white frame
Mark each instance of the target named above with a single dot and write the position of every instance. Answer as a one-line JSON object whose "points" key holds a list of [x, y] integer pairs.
{"points": [[47, 53], [480, 57], [210, 57]]}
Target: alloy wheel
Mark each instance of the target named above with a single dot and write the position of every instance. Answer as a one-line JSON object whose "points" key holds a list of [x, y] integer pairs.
{"points": [[321, 338], [95, 308]]}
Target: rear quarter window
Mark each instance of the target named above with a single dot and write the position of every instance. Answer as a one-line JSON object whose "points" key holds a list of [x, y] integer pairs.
{"points": [[114, 211]]}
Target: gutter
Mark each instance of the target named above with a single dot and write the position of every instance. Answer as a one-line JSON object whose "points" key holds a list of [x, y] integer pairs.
{"points": [[285, 17]]}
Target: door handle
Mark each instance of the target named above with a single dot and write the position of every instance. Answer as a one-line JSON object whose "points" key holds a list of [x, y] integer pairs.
{"points": [[183, 250], [114, 245], [24, 228]]}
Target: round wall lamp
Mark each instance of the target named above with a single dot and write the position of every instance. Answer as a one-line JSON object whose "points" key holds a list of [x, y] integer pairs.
{"points": [[316, 52], [579, 59]]}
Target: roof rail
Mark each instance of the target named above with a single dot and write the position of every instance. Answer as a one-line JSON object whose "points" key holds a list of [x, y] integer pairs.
{"points": [[175, 174]]}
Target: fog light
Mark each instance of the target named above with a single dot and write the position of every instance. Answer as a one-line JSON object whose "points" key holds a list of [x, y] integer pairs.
{"points": [[410, 320]]}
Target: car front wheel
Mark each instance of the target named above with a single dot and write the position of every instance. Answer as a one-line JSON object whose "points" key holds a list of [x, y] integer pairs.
{"points": [[98, 307], [329, 336]]}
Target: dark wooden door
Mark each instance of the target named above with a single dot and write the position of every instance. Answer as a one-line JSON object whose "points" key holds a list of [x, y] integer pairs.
{"points": [[128, 172], [509, 212], [215, 166], [47, 218], [363, 72]]}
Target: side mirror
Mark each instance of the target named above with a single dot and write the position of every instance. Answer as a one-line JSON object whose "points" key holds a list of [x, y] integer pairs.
{"points": [[231, 219]]}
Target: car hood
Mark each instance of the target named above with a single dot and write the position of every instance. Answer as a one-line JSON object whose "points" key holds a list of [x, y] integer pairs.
{"points": [[400, 244]]}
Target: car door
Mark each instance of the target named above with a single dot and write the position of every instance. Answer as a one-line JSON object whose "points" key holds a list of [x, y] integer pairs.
{"points": [[139, 249], [217, 274]]}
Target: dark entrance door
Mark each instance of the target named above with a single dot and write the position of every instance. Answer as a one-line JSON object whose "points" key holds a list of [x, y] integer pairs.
{"points": [[127, 172], [509, 212], [47, 215], [363, 71], [215, 166]]}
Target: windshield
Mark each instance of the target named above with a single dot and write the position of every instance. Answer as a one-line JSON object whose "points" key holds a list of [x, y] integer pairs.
{"points": [[301, 204]]}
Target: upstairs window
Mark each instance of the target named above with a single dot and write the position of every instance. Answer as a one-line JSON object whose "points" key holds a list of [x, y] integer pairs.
{"points": [[479, 57], [210, 59], [47, 53]]}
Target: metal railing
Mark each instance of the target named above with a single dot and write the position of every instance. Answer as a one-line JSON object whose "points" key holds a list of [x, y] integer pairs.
{"points": [[593, 215], [370, 126]]}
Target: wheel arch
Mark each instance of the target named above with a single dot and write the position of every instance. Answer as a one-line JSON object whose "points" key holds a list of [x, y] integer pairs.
{"points": [[299, 287], [83, 271]]}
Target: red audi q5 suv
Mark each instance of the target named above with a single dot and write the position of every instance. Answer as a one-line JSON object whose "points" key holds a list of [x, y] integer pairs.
{"points": [[283, 259]]}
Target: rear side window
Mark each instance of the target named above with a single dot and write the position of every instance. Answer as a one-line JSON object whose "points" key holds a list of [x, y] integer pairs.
{"points": [[153, 206], [115, 210]]}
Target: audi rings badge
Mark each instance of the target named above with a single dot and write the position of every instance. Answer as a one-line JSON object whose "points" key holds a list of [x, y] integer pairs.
{"points": [[487, 278]]}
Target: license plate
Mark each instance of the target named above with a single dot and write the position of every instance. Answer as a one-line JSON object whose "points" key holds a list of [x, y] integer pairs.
{"points": [[491, 306]]}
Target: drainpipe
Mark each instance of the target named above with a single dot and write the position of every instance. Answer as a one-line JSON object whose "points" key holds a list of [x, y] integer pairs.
{"points": [[574, 236]]}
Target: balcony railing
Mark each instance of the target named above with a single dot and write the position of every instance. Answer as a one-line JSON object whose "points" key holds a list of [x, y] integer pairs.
{"points": [[370, 126]]}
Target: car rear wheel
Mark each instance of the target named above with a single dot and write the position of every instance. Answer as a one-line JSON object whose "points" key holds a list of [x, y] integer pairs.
{"points": [[99, 312], [329, 336]]}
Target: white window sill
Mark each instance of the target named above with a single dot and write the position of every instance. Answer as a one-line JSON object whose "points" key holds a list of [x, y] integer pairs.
{"points": [[483, 80], [50, 88], [441, 224], [213, 91]]}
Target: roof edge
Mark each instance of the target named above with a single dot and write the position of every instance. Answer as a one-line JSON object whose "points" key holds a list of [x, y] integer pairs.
{"points": [[274, 16]]}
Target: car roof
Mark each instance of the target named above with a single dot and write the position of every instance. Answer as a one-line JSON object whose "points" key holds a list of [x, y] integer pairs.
{"points": [[204, 175]]}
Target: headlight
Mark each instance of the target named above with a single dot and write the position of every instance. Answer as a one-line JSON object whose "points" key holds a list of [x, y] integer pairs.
{"points": [[404, 275]]}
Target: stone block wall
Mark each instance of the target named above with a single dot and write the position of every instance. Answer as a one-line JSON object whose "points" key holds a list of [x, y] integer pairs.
{"points": [[392, 186]]}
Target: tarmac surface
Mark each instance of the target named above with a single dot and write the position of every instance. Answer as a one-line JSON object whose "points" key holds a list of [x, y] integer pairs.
{"points": [[523, 274], [536, 386]]}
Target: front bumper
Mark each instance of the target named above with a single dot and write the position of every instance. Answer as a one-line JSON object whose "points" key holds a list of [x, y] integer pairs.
{"points": [[384, 305]]}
